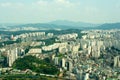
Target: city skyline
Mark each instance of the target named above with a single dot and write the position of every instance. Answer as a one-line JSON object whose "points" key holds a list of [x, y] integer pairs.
{"points": [[40, 11]]}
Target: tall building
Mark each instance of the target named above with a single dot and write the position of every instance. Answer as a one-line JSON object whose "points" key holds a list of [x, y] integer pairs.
{"points": [[95, 51], [63, 63], [86, 77], [75, 48], [70, 66], [80, 75], [56, 60], [12, 37], [0, 37], [117, 61], [12, 55]]}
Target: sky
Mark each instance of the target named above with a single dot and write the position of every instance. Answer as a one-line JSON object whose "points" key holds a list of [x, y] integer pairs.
{"points": [[41, 11]]}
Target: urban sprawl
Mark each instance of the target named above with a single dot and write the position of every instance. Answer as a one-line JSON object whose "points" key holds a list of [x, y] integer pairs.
{"points": [[93, 56]]}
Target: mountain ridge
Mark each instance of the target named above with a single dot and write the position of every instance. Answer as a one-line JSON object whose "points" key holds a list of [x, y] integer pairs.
{"points": [[64, 24], [73, 23]]}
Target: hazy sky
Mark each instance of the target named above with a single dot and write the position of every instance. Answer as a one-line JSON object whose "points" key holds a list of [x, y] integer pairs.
{"points": [[35, 11]]}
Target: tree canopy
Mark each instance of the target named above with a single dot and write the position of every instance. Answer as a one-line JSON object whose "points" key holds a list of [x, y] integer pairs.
{"points": [[36, 65]]}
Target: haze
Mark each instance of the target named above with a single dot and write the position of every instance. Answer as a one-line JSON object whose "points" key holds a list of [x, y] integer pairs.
{"points": [[37, 11]]}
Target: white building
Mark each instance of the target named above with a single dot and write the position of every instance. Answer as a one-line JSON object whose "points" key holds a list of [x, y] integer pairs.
{"points": [[56, 60], [117, 61], [63, 63], [12, 55], [35, 50], [86, 76]]}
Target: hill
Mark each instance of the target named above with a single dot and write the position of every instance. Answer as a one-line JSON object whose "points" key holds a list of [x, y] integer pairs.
{"points": [[35, 64], [73, 24], [109, 26], [61, 24]]}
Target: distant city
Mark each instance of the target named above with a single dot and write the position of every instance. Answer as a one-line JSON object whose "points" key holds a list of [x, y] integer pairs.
{"points": [[60, 50]]}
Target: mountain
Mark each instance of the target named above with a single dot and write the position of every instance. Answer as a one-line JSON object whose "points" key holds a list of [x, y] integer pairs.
{"points": [[109, 26], [40, 26], [62, 24], [59, 24], [73, 24]]}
